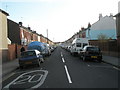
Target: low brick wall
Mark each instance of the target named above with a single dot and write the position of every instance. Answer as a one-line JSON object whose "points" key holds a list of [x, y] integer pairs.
{"points": [[14, 51], [11, 51]]}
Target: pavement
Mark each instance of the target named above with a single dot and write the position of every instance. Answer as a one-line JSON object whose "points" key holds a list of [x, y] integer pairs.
{"points": [[112, 60], [0, 76], [9, 67], [6, 68]]}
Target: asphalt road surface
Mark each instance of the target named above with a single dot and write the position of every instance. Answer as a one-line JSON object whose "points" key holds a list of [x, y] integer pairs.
{"points": [[61, 70]]}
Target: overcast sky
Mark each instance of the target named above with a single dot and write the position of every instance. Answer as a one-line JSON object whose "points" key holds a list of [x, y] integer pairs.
{"points": [[62, 18]]}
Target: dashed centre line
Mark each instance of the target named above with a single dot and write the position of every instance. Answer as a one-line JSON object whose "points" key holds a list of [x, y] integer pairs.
{"points": [[66, 69], [88, 65], [68, 75], [63, 60], [61, 54]]}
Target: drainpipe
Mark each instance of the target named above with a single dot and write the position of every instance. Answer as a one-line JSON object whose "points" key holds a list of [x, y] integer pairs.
{"points": [[89, 33]]}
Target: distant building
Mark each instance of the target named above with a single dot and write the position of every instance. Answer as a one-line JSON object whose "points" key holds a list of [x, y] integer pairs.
{"points": [[82, 33], [104, 26]]}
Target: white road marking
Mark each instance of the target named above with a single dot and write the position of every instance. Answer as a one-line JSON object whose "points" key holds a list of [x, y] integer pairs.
{"points": [[63, 60], [116, 68], [88, 65], [103, 63], [22, 75], [61, 54], [100, 66], [25, 71], [68, 75]]}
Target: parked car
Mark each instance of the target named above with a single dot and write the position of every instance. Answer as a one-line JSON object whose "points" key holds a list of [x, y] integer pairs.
{"points": [[47, 51], [91, 52], [30, 57], [68, 48], [77, 45], [52, 48]]}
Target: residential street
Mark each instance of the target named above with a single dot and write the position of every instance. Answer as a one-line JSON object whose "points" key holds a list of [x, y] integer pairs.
{"points": [[57, 44], [62, 70]]}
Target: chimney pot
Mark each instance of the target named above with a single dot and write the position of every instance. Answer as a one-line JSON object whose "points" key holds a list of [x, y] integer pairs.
{"points": [[29, 28]]}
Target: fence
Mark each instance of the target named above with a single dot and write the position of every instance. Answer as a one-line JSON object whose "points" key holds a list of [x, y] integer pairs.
{"points": [[108, 47]]}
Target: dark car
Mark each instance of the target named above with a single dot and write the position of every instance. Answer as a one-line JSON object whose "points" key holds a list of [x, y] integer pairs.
{"points": [[91, 53], [30, 57]]}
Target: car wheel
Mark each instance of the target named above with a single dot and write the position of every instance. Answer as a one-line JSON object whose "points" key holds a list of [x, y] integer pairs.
{"points": [[49, 53], [41, 60], [38, 63], [21, 67], [84, 58]]}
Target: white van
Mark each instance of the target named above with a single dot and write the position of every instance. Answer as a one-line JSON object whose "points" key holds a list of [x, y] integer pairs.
{"points": [[78, 44]]}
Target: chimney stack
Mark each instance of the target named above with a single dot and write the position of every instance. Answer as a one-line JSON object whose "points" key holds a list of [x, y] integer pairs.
{"points": [[82, 28], [20, 23], [29, 28], [111, 15], [100, 16]]}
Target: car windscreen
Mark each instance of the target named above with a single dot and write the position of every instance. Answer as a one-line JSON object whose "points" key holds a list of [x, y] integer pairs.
{"points": [[84, 44], [93, 49], [78, 44], [27, 54]]}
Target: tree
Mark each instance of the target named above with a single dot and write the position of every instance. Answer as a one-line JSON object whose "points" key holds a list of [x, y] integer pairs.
{"points": [[102, 37]]}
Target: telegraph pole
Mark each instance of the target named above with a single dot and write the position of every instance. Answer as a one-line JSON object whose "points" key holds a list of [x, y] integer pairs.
{"points": [[47, 36]]}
